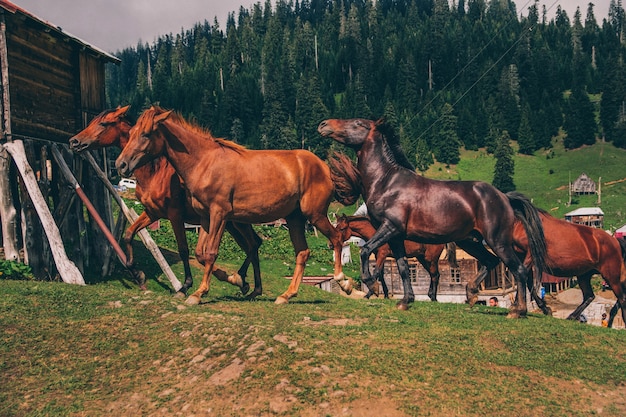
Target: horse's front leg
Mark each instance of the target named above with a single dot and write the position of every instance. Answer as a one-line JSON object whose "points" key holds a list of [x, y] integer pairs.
{"points": [[399, 253], [178, 226], [383, 234], [209, 250]]}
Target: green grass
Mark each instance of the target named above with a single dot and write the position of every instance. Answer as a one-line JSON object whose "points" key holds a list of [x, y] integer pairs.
{"points": [[105, 348]]}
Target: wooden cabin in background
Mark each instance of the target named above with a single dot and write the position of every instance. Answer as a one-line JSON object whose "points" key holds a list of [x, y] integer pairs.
{"points": [[52, 84], [588, 216], [583, 185]]}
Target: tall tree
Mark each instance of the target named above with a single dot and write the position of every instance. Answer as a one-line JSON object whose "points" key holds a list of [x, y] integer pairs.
{"points": [[505, 166]]}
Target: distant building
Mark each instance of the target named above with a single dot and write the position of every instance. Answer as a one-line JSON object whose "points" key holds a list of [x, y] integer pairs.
{"points": [[588, 216], [621, 232], [583, 185]]}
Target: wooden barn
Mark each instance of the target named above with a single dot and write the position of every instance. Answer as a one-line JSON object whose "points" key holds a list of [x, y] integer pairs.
{"points": [[588, 216], [52, 85], [583, 185], [452, 282]]}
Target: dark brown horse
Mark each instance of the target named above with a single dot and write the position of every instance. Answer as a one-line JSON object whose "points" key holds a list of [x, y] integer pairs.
{"points": [[404, 205], [427, 255], [163, 196], [230, 182]]}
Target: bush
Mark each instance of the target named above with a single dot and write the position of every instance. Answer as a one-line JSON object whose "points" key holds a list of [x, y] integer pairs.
{"points": [[15, 270]]}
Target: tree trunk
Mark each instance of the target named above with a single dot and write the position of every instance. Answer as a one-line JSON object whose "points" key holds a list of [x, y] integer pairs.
{"points": [[8, 214]]}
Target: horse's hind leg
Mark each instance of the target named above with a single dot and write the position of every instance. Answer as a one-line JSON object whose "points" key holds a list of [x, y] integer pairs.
{"points": [[296, 223], [141, 222], [252, 242], [613, 313], [178, 226], [584, 281]]}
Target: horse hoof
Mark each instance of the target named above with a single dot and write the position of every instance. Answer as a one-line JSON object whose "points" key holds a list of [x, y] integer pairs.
{"points": [[192, 300], [281, 300], [402, 306], [548, 311], [472, 300], [346, 286], [340, 277], [245, 288], [180, 294]]}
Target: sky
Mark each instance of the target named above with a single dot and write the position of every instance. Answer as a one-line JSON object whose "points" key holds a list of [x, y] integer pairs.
{"points": [[113, 25]]}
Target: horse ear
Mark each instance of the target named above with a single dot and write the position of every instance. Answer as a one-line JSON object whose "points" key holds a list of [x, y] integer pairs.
{"points": [[162, 117], [121, 111], [380, 121]]}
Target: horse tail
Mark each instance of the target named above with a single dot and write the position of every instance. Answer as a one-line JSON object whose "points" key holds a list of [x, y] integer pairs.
{"points": [[528, 215], [622, 245], [346, 178], [451, 254]]}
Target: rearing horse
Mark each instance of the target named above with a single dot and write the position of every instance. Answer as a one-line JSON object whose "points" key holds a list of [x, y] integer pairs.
{"points": [[405, 205], [162, 194], [230, 182]]}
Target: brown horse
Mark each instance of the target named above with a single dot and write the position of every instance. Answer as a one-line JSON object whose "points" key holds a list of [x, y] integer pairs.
{"points": [[581, 251], [427, 255], [404, 205], [230, 182], [163, 196]]}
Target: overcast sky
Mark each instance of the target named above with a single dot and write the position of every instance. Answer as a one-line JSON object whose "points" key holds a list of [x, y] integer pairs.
{"points": [[113, 25]]}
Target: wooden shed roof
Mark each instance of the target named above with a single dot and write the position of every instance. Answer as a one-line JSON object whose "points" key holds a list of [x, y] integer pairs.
{"points": [[15, 9]]}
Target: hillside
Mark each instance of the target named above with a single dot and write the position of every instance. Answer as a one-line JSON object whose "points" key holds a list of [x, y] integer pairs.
{"points": [[545, 176]]}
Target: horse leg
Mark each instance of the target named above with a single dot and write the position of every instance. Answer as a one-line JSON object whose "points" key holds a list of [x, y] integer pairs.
{"points": [[383, 234], [613, 313], [374, 289], [619, 288], [320, 220], [541, 303], [252, 243], [296, 223], [238, 279], [399, 253], [476, 249], [383, 283], [208, 247], [141, 222], [178, 226], [584, 281]]}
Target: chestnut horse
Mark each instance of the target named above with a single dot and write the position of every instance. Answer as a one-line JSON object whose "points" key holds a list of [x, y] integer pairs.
{"points": [[581, 251], [162, 194], [427, 255], [230, 182], [404, 205]]}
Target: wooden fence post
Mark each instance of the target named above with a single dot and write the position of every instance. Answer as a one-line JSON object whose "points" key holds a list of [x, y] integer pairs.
{"points": [[8, 214], [67, 269]]}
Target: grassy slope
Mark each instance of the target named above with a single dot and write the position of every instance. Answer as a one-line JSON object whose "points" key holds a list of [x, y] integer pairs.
{"points": [[545, 177]]}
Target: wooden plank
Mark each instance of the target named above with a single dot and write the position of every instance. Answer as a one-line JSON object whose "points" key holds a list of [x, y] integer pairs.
{"points": [[68, 271]]}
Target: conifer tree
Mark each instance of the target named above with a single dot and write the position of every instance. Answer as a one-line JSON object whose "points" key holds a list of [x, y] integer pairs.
{"points": [[505, 166], [525, 137], [423, 156]]}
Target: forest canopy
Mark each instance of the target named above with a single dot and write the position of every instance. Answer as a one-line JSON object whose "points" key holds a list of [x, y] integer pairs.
{"points": [[444, 74]]}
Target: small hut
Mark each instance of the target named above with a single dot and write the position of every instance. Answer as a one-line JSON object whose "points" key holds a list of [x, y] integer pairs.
{"points": [[52, 84], [583, 185], [588, 216]]}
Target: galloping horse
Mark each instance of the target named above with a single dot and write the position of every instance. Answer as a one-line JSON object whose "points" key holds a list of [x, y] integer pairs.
{"points": [[162, 194], [581, 251], [230, 182], [404, 205], [427, 255]]}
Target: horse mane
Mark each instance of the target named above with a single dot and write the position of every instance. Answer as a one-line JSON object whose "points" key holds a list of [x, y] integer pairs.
{"points": [[177, 118], [346, 178], [393, 151]]}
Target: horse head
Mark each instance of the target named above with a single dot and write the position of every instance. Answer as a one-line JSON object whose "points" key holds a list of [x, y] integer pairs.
{"points": [[145, 142], [109, 128], [351, 132], [343, 227]]}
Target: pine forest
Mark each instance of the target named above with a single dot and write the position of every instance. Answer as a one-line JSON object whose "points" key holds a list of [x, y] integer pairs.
{"points": [[446, 75]]}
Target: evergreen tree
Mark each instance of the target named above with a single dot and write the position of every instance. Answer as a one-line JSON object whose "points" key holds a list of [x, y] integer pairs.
{"points": [[580, 122], [505, 166], [423, 156], [447, 146], [525, 137]]}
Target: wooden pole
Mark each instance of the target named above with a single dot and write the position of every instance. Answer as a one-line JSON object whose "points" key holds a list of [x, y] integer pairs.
{"points": [[8, 213], [67, 269], [131, 216]]}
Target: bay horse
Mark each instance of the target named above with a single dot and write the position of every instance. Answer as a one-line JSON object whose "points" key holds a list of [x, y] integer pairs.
{"points": [[404, 205], [427, 255], [581, 251], [163, 195], [230, 182]]}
